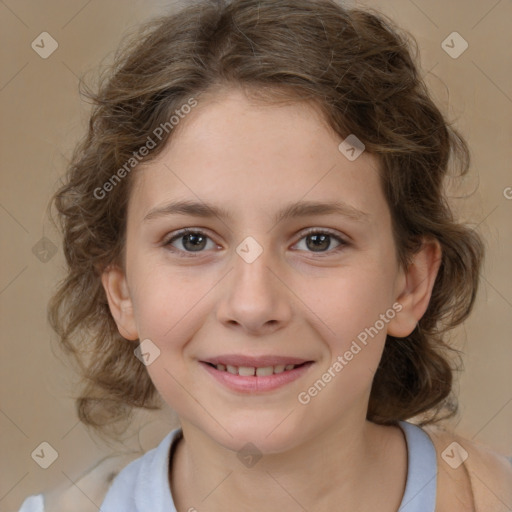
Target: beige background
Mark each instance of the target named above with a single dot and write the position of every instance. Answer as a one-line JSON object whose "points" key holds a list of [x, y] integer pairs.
{"points": [[43, 116]]}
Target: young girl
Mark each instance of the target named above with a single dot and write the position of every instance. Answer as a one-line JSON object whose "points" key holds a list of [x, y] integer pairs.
{"points": [[256, 233]]}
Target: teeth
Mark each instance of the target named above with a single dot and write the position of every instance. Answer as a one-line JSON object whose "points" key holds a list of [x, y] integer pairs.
{"points": [[262, 372], [247, 371], [232, 369]]}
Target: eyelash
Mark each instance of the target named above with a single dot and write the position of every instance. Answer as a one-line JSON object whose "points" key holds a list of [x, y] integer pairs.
{"points": [[313, 231]]}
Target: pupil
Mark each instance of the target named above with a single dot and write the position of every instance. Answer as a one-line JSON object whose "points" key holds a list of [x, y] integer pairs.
{"points": [[319, 242], [196, 240]]}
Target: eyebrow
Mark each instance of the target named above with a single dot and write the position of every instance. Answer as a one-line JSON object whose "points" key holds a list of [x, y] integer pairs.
{"points": [[299, 209]]}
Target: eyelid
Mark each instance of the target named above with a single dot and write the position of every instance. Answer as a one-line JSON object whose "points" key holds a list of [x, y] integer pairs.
{"points": [[326, 231]]}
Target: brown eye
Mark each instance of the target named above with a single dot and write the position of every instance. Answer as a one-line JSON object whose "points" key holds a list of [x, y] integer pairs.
{"points": [[193, 241], [318, 242], [322, 242], [188, 241]]}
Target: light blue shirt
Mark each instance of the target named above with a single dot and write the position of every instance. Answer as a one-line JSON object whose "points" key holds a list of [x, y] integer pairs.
{"points": [[143, 485]]}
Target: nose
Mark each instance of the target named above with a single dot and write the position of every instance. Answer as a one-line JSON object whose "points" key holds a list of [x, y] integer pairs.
{"points": [[254, 297]]}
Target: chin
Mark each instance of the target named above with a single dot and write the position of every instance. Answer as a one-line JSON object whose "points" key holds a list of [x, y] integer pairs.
{"points": [[271, 435]]}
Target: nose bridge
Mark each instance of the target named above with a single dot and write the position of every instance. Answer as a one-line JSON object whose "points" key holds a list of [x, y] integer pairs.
{"points": [[254, 297], [252, 267], [252, 278]]}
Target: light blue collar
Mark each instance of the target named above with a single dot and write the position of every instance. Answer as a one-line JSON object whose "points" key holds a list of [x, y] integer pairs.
{"points": [[420, 488]]}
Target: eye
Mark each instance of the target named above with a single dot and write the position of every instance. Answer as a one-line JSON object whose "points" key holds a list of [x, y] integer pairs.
{"points": [[190, 240], [319, 241]]}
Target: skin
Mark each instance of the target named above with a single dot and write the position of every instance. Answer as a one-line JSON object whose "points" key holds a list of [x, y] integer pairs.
{"points": [[252, 159]]}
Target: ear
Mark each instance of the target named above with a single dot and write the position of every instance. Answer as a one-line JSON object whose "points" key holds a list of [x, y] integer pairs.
{"points": [[119, 301], [415, 288]]}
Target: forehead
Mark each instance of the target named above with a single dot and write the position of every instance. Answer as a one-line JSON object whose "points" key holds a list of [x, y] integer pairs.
{"points": [[230, 150]]}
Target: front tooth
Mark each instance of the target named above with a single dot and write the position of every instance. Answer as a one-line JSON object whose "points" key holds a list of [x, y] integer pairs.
{"points": [[263, 372], [246, 371], [279, 368], [221, 367], [231, 369], [289, 367]]}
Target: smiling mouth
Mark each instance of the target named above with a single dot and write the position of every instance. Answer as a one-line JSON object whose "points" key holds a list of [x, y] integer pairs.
{"points": [[251, 371]]}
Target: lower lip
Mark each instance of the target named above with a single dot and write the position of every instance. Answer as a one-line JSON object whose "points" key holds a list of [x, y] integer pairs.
{"points": [[252, 384]]}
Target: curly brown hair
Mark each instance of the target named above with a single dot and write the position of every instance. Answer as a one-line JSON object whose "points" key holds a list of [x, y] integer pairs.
{"points": [[359, 70]]}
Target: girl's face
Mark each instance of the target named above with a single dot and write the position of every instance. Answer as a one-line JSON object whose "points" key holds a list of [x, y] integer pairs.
{"points": [[271, 269]]}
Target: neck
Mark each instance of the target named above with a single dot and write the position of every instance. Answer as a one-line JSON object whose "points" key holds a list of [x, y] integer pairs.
{"points": [[359, 466]]}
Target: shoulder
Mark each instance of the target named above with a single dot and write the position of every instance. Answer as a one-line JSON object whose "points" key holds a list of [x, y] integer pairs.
{"points": [[471, 476], [81, 494], [87, 492], [33, 504], [111, 484], [144, 483]]}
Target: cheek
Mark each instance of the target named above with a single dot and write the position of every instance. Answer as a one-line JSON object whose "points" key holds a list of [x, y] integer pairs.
{"points": [[168, 300], [355, 308], [355, 313], [352, 299]]}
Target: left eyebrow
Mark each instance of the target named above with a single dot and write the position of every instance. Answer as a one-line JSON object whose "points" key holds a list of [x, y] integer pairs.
{"points": [[299, 209]]}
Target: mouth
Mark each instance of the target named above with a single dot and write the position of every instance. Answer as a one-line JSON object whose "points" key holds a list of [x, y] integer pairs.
{"points": [[255, 375], [255, 371]]}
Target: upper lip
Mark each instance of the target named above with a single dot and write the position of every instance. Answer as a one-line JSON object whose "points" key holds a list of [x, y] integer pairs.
{"points": [[253, 362]]}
